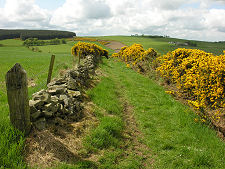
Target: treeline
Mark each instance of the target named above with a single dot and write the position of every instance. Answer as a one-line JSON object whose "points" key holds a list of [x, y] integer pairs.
{"points": [[155, 36], [220, 42], [151, 36], [36, 42], [40, 34]]}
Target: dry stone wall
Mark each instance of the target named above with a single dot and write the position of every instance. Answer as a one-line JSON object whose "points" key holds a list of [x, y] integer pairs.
{"points": [[63, 96]]}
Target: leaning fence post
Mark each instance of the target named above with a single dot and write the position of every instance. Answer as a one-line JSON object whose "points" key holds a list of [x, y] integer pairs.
{"points": [[17, 93], [50, 69]]}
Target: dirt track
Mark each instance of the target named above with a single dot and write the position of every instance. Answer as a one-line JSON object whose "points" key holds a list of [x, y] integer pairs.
{"points": [[115, 45]]}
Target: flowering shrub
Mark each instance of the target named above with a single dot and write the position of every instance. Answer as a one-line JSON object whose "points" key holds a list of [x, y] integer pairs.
{"points": [[200, 75], [83, 49], [135, 53], [85, 39], [103, 42]]}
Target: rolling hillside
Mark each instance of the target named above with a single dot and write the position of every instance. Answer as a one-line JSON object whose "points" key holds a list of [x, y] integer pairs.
{"points": [[130, 121]]}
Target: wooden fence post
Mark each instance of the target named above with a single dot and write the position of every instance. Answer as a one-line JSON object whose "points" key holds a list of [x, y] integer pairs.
{"points": [[17, 92], [50, 69]]}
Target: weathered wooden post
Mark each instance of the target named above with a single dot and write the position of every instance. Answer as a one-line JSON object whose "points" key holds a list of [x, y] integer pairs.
{"points": [[50, 69], [17, 92]]}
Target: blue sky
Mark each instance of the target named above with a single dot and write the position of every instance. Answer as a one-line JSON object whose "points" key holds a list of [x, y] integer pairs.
{"points": [[54, 4], [50, 4], [46, 4], [217, 6], [2, 3], [193, 19]]}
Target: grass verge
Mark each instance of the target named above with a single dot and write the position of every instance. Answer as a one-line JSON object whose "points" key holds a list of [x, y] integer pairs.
{"points": [[11, 147], [108, 137], [108, 132], [176, 140]]}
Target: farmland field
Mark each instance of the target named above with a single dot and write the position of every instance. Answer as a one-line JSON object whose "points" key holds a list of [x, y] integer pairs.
{"points": [[36, 65], [167, 136], [162, 44]]}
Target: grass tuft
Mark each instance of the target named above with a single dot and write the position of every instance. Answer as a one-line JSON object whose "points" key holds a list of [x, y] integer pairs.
{"points": [[11, 147], [107, 134], [105, 96], [109, 130]]}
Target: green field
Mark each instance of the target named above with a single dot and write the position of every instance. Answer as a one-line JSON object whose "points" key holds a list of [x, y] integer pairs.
{"points": [[36, 65], [175, 140], [162, 44]]}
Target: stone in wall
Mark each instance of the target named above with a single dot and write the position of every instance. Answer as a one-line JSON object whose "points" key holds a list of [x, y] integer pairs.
{"points": [[63, 97]]}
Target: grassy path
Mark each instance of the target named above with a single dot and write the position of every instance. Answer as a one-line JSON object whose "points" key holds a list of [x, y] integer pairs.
{"points": [[140, 126], [169, 130], [133, 137]]}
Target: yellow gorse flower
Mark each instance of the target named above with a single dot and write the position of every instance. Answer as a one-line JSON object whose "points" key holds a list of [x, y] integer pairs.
{"points": [[83, 49], [135, 53], [200, 75], [85, 39]]}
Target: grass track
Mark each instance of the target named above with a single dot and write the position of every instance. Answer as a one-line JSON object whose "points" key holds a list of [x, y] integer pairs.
{"points": [[109, 135], [169, 129]]}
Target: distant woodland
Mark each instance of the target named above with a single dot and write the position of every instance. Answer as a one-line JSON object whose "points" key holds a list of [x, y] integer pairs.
{"points": [[40, 34], [36, 42]]}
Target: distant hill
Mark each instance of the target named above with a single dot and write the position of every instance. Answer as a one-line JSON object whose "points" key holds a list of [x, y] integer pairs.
{"points": [[40, 34]]}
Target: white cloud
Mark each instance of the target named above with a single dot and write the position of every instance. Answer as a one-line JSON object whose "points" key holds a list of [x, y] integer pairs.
{"points": [[77, 10], [193, 19], [23, 13], [214, 19], [221, 1]]}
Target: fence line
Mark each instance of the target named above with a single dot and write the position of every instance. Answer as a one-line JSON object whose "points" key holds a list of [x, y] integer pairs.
{"points": [[50, 69], [17, 94]]}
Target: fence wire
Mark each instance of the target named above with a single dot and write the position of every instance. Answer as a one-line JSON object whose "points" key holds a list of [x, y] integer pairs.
{"points": [[37, 74]]}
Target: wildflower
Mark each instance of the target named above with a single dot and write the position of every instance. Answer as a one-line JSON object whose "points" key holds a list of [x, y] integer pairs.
{"points": [[135, 53], [198, 74], [83, 49]]}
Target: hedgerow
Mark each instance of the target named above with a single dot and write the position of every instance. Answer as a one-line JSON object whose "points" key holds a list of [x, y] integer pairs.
{"points": [[135, 53], [103, 42], [83, 49], [199, 75]]}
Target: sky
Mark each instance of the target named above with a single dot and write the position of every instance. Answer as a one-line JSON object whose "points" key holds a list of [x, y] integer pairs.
{"points": [[187, 19]]}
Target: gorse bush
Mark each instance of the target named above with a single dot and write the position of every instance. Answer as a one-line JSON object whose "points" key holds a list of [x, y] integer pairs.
{"points": [[83, 49], [135, 53], [200, 75], [91, 40]]}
